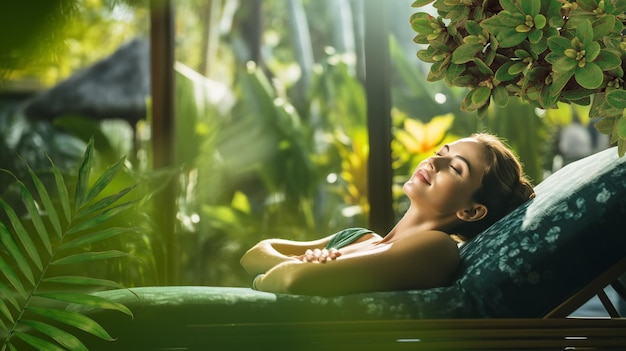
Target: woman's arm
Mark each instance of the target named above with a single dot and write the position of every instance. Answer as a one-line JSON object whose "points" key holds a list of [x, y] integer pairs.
{"points": [[271, 252], [426, 260]]}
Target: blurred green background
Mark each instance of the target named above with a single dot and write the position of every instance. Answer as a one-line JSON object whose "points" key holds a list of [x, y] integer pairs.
{"points": [[271, 121]]}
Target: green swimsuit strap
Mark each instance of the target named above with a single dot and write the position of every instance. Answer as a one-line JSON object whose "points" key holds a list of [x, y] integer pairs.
{"points": [[346, 237]]}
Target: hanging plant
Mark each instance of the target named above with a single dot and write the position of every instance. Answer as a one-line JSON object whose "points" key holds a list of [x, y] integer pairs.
{"points": [[541, 51]]}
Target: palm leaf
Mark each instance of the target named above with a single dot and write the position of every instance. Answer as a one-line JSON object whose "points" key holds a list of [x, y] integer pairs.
{"points": [[77, 280], [47, 202], [84, 171], [38, 343], [9, 244], [86, 299], [74, 319], [6, 295], [22, 235], [4, 309], [76, 226], [89, 256], [101, 218], [103, 181], [64, 198], [95, 237], [35, 218], [12, 278], [103, 203], [62, 337]]}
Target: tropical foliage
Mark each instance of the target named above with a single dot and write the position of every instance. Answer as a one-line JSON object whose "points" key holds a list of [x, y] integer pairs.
{"points": [[276, 147], [43, 258], [543, 52]]}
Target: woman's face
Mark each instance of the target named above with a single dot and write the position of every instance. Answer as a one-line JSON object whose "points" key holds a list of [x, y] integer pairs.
{"points": [[446, 182]]}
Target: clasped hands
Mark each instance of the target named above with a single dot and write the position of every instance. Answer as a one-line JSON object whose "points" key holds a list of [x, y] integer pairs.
{"points": [[319, 255]]}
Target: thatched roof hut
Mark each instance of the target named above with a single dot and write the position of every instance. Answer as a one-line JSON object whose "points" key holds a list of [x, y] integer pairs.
{"points": [[114, 87]]}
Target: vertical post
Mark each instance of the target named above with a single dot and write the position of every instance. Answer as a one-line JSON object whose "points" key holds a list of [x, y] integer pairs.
{"points": [[377, 86], [163, 134]]}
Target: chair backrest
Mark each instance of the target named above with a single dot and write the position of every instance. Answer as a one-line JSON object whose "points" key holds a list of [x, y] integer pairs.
{"points": [[549, 248]]}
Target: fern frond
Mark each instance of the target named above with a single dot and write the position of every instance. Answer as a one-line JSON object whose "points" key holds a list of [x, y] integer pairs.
{"points": [[59, 234]]}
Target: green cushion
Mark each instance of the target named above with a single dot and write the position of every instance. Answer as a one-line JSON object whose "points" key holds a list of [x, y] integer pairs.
{"points": [[529, 262]]}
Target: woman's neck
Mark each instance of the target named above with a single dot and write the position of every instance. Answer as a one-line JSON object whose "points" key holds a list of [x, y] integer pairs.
{"points": [[414, 221]]}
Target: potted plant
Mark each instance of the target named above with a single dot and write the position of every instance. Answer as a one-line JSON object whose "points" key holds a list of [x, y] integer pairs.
{"points": [[543, 52]]}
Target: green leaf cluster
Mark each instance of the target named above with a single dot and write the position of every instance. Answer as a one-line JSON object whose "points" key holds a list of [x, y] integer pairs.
{"points": [[544, 52], [58, 232]]}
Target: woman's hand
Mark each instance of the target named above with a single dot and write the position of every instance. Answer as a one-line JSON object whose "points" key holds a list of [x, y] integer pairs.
{"points": [[319, 255]]}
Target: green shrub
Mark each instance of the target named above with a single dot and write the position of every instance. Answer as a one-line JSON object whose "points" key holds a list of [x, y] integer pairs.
{"points": [[542, 51]]}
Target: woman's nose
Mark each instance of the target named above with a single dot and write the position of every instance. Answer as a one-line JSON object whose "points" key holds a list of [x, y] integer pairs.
{"points": [[436, 162], [433, 163]]}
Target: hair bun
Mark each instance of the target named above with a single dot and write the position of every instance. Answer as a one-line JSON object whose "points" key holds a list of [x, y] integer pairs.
{"points": [[522, 192]]}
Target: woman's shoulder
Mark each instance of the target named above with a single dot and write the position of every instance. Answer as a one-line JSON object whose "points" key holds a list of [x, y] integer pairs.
{"points": [[434, 244]]}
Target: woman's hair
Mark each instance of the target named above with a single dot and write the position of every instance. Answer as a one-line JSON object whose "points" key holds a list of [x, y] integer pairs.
{"points": [[504, 186]]}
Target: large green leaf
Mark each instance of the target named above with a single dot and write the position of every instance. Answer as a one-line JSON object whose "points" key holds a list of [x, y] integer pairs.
{"points": [[589, 76], [465, 53], [530, 7], [616, 98], [420, 3], [621, 127], [608, 60]]}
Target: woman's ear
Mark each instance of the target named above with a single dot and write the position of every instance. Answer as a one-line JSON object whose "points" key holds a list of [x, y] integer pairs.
{"points": [[471, 214]]}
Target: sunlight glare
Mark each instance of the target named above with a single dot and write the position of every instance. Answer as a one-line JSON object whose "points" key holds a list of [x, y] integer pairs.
{"points": [[440, 98]]}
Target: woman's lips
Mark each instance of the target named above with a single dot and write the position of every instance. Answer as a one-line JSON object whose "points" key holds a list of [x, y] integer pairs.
{"points": [[423, 176]]}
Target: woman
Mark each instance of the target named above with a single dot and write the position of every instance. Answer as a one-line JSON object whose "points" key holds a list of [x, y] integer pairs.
{"points": [[454, 195]]}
